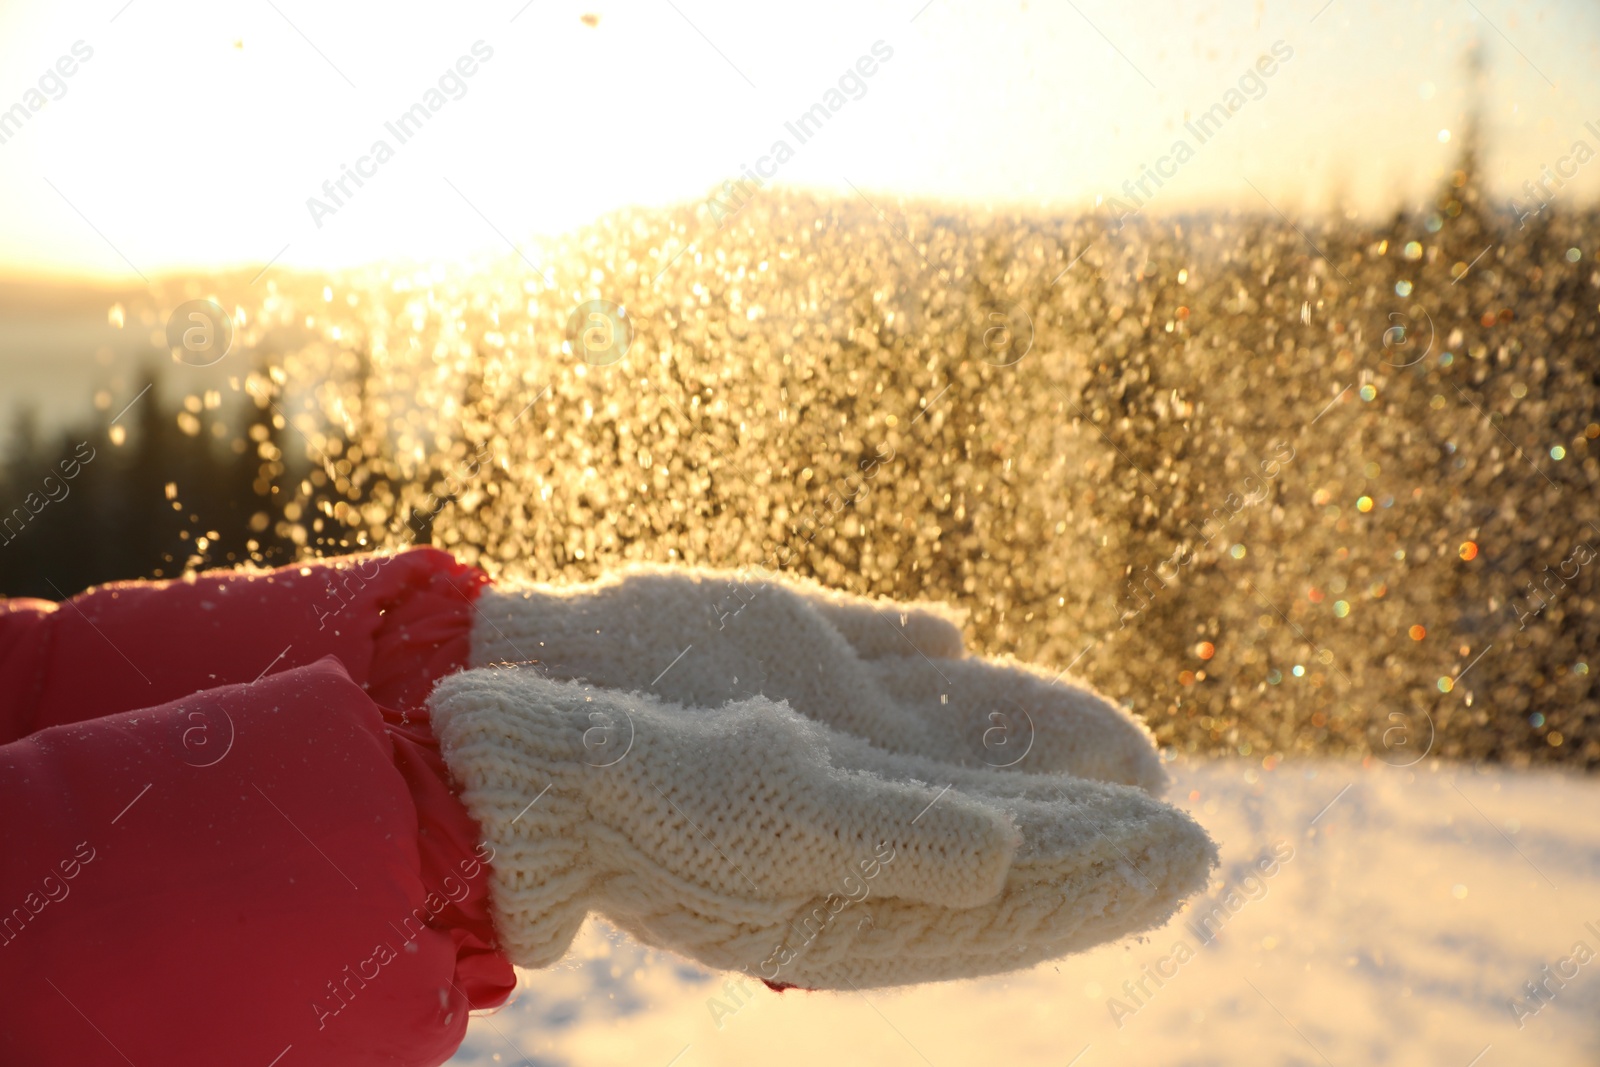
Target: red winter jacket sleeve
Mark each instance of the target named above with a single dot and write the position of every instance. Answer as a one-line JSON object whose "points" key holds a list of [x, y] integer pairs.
{"points": [[229, 835]]}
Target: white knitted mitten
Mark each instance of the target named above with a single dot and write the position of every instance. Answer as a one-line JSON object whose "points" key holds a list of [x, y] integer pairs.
{"points": [[893, 674], [751, 838]]}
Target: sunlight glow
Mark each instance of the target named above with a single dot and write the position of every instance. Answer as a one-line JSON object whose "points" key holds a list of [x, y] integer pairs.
{"points": [[208, 135]]}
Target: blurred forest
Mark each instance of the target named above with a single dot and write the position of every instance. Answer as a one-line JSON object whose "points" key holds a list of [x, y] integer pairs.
{"points": [[157, 495], [80, 509]]}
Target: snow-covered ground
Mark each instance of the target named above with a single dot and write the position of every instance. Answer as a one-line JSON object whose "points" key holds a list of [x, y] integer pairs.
{"points": [[1363, 914]]}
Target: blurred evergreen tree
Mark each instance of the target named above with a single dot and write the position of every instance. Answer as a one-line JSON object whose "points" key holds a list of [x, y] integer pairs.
{"points": [[159, 493]]}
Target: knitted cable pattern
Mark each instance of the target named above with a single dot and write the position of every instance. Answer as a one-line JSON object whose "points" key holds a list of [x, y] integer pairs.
{"points": [[751, 838]]}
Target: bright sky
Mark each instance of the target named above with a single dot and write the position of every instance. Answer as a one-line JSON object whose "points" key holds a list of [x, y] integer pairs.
{"points": [[195, 133]]}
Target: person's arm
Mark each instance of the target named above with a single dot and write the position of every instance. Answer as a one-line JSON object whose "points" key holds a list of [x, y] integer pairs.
{"points": [[397, 622], [299, 887], [214, 914]]}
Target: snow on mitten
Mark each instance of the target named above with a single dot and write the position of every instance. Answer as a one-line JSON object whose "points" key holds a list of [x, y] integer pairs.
{"points": [[916, 653], [736, 835], [1010, 714], [1098, 862], [700, 638], [877, 628]]}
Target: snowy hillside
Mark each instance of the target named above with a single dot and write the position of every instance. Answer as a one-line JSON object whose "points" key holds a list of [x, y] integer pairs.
{"points": [[1363, 915]]}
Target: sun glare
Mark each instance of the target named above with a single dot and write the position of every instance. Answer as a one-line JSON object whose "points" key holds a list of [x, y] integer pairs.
{"points": [[146, 139]]}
